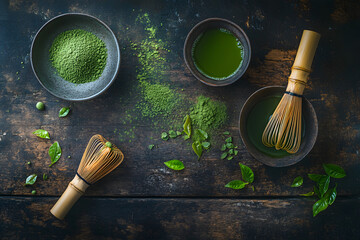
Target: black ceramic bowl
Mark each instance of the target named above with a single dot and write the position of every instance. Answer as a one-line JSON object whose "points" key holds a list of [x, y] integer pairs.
{"points": [[47, 75], [308, 140], [212, 23]]}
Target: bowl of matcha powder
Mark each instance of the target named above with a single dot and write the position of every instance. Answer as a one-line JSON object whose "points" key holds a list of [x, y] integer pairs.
{"points": [[75, 56]]}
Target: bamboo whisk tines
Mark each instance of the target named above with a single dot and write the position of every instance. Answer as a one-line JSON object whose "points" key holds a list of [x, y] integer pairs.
{"points": [[98, 159], [283, 130]]}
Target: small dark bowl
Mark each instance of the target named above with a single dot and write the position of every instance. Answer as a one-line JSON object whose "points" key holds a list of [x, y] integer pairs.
{"points": [[47, 75], [212, 23], [308, 141]]}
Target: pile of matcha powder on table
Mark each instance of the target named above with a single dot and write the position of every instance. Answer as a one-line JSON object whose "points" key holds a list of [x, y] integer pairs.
{"points": [[78, 56], [208, 114]]}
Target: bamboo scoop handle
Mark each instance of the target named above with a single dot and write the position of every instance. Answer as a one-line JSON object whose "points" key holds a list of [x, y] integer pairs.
{"points": [[303, 60], [73, 192]]}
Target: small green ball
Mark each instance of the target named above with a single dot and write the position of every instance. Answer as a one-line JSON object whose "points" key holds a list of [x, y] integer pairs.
{"points": [[33, 192], [40, 106], [108, 144]]}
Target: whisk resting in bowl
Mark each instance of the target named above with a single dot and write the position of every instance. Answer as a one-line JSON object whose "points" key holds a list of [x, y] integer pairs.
{"points": [[284, 127]]}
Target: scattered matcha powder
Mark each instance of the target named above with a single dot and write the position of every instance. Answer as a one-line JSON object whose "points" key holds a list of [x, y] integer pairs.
{"points": [[157, 98]]}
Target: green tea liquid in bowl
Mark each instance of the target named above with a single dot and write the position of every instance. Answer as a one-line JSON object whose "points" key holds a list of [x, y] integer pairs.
{"points": [[217, 54]]}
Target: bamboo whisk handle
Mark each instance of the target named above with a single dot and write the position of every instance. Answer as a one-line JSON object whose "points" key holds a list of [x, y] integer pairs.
{"points": [[303, 60], [306, 51], [73, 192]]}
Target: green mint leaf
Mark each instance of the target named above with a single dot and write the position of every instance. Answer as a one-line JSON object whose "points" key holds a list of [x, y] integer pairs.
{"points": [[226, 133], [30, 180], [309, 194], [247, 173], [206, 145], [325, 201], [54, 153], [316, 177], [252, 187], [41, 133], [330, 195], [224, 155], [319, 206], [197, 147], [228, 140], [236, 184], [236, 152], [164, 136], [64, 112], [178, 133], [223, 147], [187, 126], [230, 157], [175, 165], [203, 134], [186, 137], [229, 145], [151, 146], [316, 191], [323, 185], [172, 134], [45, 177], [298, 181], [231, 151], [334, 171]]}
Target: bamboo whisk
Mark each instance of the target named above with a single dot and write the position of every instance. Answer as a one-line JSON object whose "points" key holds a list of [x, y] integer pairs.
{"points": [[99, 159], [284, 127]]}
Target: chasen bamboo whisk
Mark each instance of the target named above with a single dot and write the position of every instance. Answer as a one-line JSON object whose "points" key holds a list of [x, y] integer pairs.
{"points": [[99, 159], [284, 127]]}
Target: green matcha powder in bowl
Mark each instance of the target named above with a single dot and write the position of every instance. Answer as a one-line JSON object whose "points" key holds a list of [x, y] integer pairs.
{"points": [[78, 56], [75, 56]]}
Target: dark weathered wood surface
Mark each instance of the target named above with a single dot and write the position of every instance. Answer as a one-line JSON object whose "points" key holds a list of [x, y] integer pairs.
{"points": [[179, 218], [142, 199]]}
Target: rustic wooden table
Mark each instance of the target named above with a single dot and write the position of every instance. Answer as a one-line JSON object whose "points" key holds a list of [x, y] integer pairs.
{"points": [[142, 199]]}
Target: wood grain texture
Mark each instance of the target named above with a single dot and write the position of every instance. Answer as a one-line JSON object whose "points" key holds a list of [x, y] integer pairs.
{"points": [[143, 171], [142, 199], [124, 218]]}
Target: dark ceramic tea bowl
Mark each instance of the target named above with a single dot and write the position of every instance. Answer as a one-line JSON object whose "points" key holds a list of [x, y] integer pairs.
{"points": [[47, 75], [216, 23], [308, 140]]}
